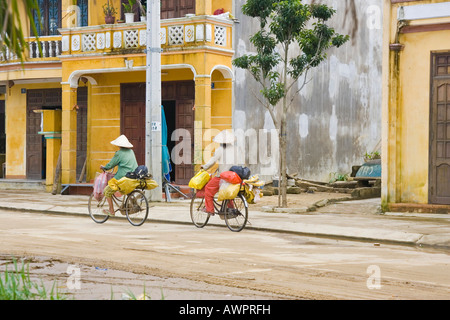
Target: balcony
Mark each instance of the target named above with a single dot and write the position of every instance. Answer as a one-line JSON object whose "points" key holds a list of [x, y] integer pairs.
{"points": [[175, 34], [50, 50], [180, 34]]}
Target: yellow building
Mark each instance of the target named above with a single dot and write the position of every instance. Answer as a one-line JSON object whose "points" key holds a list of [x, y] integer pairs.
{"points": [[416, 106], [87, 86]]}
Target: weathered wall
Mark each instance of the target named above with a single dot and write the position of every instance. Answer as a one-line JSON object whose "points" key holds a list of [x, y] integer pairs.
{"points": [[336, 118]]}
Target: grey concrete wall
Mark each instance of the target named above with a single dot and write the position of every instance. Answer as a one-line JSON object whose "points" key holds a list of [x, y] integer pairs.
{"points": [[336, 118]]}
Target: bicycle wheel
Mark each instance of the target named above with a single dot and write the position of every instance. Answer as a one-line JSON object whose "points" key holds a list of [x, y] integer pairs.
{"points": [[96, 208], [198, 216], [236, 217], [136, 207]]}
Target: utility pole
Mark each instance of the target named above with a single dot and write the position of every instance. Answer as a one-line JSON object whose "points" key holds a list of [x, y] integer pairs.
{"points": [[153, 145]]}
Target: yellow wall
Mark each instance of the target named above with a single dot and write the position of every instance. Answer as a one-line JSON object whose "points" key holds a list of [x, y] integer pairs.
{"points": [[15, 133], [406, 109], [221, 97], [16, 111]]}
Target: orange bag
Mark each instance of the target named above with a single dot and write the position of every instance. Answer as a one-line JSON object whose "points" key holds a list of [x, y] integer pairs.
{"points": [[231, 177]]}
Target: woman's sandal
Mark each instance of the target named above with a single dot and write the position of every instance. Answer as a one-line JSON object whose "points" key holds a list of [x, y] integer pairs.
{"points": [[105, 211]]}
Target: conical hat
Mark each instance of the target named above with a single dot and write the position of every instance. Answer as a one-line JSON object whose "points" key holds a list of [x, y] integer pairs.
{"points": [[225, 136], [122, 142]]}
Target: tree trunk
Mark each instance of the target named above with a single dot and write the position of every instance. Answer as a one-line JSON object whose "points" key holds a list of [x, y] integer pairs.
{"points": [[283, 169]]}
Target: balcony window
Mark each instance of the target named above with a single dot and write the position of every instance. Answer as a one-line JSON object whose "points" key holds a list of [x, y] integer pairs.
{"points": [[83, 5], [50, 11]]}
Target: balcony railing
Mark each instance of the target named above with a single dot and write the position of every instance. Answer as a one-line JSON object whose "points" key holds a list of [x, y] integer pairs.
{"points": [[50, 49], [193, 32], [174, 34]]}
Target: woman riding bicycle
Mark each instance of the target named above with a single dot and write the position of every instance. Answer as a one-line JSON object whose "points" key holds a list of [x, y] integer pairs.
{"points": [[225, 156], [125, 160]]}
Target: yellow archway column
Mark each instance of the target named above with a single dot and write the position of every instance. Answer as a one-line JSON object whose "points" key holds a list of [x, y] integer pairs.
{"points": [[202, 116], [69, 135]]}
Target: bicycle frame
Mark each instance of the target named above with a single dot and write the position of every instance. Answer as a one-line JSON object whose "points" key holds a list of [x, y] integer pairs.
{"points": [[223, 205]]}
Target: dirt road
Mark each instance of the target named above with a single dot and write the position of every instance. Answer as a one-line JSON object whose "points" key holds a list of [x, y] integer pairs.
{"points": [[183, 262]]}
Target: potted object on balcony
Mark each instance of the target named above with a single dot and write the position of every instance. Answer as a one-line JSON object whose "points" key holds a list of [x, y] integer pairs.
{"points": [[110, 13], [143, 11], [128, 9]]}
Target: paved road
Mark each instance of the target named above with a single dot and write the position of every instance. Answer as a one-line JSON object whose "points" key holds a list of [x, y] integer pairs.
{"points": [[251, 264]]}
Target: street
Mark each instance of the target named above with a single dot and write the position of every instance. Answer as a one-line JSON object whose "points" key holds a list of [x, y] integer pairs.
{"points": [[180, 261]]}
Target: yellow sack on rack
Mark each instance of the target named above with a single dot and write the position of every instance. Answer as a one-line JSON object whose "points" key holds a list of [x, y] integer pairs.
{"points": [[199, 180], [126, 185], [249, 195], [254, 181], [228, 191], [150, 184]]}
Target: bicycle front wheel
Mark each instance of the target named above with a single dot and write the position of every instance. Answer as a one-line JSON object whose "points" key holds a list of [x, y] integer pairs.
{"points": [[96, 209], [198, 216], [136, 207], [236, 217]]}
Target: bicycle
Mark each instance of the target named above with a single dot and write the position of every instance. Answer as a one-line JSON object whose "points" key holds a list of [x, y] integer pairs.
{"points": [[134, 206], [234, 212]]}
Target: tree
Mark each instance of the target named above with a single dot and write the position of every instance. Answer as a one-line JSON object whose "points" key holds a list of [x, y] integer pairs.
{"points": [[12, 37], [287, 28]]}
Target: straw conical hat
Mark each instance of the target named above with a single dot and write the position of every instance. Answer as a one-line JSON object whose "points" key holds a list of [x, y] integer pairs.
{"points": [[225, 136], [122, 142]]}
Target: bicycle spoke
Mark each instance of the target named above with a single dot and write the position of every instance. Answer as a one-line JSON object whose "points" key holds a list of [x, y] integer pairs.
{"points": [[198, 216], [96, 209], [136, 207], [236, 215]]}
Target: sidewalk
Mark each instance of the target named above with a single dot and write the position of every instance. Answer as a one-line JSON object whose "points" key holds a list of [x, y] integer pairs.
{"points": [[347, 220]]}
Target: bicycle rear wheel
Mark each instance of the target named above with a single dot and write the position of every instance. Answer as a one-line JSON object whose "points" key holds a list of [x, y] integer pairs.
{"points": [[198, 216], [136, 207], [236, 217], [96, 208]]}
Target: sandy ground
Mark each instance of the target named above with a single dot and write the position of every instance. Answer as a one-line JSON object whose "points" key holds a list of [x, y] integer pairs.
{"points": [[78, 281], [173, 261]]}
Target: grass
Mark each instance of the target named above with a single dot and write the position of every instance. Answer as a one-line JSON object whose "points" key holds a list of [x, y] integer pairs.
{"points": [[129, 295], [17, 285]]}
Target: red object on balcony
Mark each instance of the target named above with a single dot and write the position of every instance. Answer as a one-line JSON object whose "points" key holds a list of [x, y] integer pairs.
{"points": [[219, 11]]}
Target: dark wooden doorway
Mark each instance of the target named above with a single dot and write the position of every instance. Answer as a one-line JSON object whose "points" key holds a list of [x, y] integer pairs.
{"points": [[178, 100], [35, 142], [82, 99], [439, 170], [132, 117], [183, 94], [176, 8]]}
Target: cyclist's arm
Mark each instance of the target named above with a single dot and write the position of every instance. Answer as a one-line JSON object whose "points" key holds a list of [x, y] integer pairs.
{"points": [[214, 159], [114, 162]]}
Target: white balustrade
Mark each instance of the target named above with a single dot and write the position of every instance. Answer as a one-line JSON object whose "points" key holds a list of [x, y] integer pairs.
{"points": [[49, 49]]}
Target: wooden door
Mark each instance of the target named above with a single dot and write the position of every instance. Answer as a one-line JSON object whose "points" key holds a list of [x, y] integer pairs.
{"points": [[439, 171], [185, 119], [440, 144], [133, 117], [176, 8], [2, 129], [82, 98], [183, 93], [35, 143]]}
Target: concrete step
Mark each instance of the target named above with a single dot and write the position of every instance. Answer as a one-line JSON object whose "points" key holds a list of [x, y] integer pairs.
{"points": [[22, 184]]}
